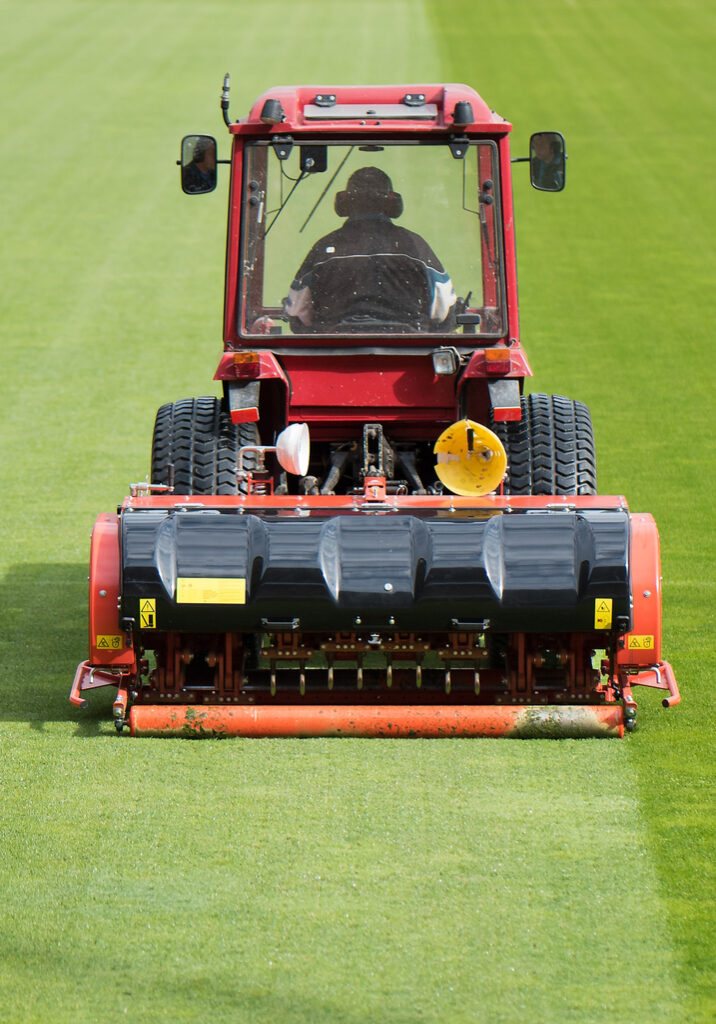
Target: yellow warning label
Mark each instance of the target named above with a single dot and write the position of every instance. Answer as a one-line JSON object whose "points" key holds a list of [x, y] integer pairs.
{"points": [[147, 613], [603, 613], [640, 643], [109, 641], [211, 591]]}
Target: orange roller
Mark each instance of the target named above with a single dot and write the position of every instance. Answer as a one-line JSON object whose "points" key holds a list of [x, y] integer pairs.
{"points": [[425, 721]]}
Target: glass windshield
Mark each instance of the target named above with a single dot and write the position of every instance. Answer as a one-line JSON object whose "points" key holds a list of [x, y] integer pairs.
{"points": [[389, 238]]}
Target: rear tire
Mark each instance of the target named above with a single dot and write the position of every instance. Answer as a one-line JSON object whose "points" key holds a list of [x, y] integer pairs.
{"points": [[551, 449], [197, 437]]}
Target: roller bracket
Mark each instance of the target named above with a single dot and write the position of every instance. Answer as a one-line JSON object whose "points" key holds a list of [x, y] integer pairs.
{"points": [[276, 626], [478, 626]]}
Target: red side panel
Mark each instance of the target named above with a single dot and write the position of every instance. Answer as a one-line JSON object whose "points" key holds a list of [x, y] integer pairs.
{"points": [[231, 297], [108, 644], [508, 220], [642, 646]]}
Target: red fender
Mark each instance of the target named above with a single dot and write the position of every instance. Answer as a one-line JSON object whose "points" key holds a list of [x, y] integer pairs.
{"points": [[109, 646], [642, 645]]}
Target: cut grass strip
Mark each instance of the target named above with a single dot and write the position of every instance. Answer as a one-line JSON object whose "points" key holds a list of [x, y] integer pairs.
{"points": [[330, 880], [617, 311]]}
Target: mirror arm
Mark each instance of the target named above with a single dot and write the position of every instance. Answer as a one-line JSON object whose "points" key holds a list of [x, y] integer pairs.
{"points": [[179, 163]]}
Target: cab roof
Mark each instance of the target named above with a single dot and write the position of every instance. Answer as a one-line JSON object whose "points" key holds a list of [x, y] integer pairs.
{"points": [[452, 108]]}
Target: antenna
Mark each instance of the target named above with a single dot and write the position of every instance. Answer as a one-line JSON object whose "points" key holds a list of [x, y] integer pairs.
{"points": [[225, 99]]}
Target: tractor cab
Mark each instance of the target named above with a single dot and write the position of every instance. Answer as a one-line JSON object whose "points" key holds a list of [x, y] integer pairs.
{"points": [[392, 237], [370, 266]]}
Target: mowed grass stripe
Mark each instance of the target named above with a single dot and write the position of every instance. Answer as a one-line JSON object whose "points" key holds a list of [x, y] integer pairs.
{"points": [[329, 880], [616, 304]]}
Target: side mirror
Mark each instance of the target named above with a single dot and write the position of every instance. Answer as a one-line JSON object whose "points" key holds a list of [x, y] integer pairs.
{"points": [[198, 164], [547, 161]]}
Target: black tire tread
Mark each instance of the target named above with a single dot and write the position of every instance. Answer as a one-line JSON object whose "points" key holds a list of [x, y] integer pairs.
{"points": [[551, 449], [197, 437]]}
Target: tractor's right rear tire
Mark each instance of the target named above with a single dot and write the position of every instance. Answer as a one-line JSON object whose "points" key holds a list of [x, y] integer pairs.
{"points": [[551, 449], [196, 437]]}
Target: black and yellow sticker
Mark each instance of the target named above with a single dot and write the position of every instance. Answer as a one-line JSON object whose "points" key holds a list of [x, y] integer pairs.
{"points": [[109, 641], [193, 590], [640, 643], [603, 613], [147, 613]]}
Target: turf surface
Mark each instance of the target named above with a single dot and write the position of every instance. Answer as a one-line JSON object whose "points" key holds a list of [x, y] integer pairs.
{"points": [[347, 880]]}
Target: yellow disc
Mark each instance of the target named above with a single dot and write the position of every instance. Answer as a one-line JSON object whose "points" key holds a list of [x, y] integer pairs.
{"points": [[471, 459]]}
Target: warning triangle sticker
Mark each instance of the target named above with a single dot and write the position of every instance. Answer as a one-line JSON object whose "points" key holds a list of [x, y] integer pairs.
{"points": [[603, 606], [103, 642], [147, 605]]}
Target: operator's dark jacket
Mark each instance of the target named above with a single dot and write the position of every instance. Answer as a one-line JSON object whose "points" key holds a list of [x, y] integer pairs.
{"points": [[371, 275], [196, 180]]}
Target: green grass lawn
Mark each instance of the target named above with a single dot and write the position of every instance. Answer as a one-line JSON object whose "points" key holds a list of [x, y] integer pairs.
{"points": [[347, 880]]}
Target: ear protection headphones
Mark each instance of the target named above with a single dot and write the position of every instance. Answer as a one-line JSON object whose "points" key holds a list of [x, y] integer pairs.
{"points": [[369, 191], [348, 204], [201, 147]]}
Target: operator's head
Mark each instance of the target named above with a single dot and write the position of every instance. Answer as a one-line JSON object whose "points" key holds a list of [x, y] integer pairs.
{"points": [[369, 191], [205, 151], [545, 146]]}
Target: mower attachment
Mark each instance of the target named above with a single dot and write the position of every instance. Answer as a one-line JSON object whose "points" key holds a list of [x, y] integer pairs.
{"points": [[207, 570], [396, 616]]}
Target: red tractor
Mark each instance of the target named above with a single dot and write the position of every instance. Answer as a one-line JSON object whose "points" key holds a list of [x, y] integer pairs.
{"points": [[373, 531]]}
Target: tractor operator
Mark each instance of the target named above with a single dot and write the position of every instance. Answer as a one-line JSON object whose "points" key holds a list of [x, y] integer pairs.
{"points": [[200, 174], [370, 274], [547, 162]]}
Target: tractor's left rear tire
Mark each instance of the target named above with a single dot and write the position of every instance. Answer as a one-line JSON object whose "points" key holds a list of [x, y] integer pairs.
{"points": [[196, 437]]}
